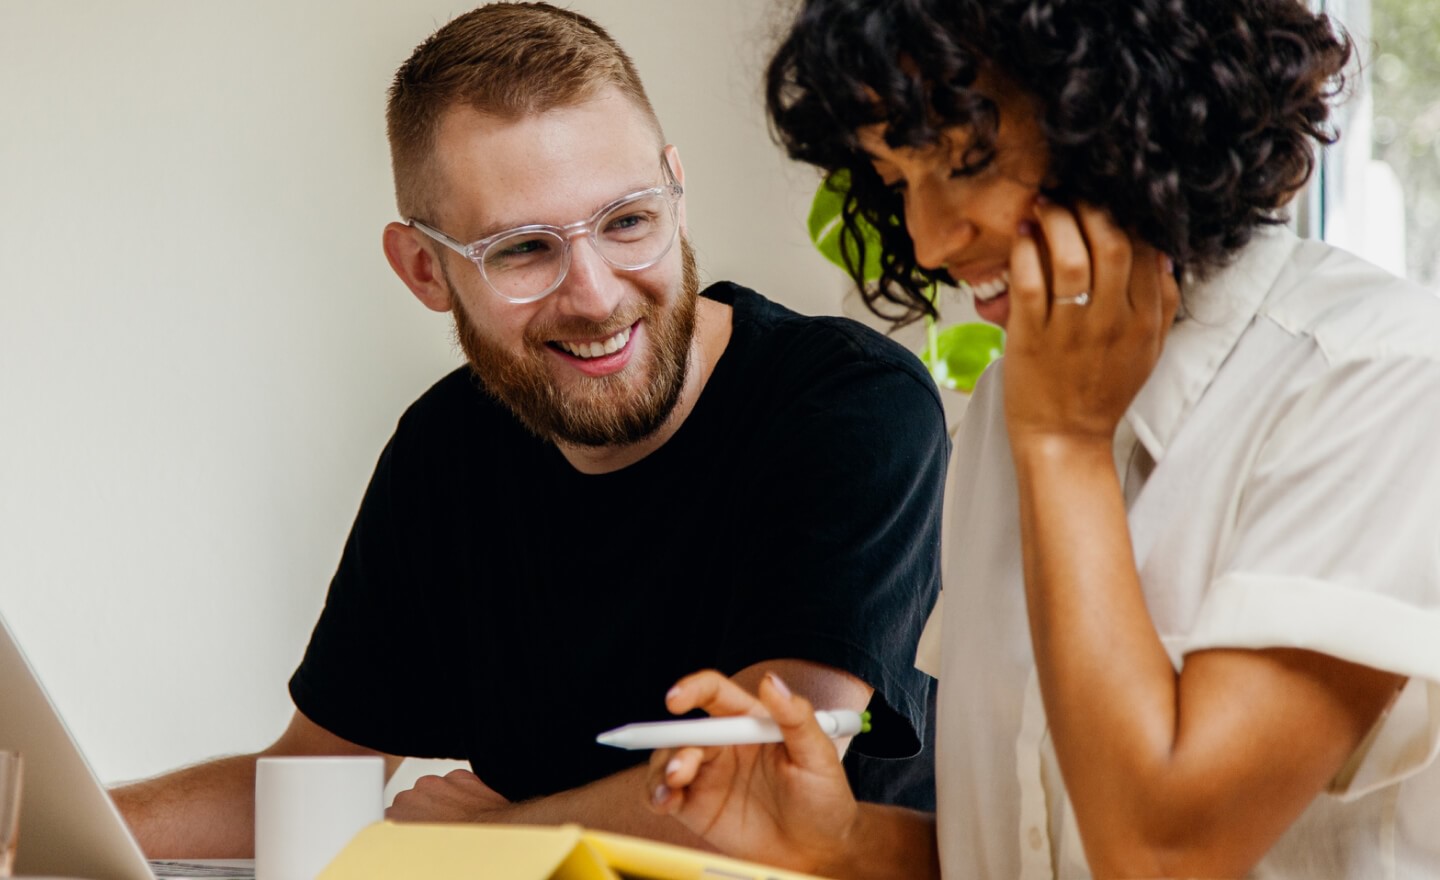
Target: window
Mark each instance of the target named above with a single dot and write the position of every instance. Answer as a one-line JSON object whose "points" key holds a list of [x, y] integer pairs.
{"points": [[1378, 193]]}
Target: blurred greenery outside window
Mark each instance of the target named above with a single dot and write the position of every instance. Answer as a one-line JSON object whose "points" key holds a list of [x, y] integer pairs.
{"points": [[1379, 192]]}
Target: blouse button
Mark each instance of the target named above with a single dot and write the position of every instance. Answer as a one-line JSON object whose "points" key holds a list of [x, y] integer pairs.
{"points": [[1036, 840]]}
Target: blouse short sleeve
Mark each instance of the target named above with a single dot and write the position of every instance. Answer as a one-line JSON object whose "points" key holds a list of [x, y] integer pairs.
{"points": [[1335, 546]]}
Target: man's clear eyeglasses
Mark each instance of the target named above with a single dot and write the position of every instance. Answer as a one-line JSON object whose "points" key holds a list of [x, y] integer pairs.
{"points": [[526, 263]]}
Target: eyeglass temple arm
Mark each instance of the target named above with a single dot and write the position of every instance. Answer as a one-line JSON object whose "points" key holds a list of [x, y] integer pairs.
{"points": [[441, 237]]}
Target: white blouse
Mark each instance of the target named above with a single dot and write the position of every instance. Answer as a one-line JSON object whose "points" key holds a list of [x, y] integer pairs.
{"points": [[1282, 476]]}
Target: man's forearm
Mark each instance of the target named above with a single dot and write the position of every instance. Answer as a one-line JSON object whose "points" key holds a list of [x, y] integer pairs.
{"points": [[205, 811], [614, 803]]}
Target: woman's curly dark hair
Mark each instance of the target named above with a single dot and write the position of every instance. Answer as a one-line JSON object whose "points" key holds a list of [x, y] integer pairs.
{"points": [[1192, 121]]}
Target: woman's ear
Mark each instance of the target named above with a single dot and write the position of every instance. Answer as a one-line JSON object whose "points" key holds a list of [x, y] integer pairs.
{"points": [[416, 265]]}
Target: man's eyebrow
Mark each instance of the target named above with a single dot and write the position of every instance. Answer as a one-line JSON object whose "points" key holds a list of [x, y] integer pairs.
{"points": [[494, 227]]}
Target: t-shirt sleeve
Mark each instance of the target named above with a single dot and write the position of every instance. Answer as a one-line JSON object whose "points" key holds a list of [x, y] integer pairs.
{"points": [[841, 560], [1336, 545], [368, 674]]}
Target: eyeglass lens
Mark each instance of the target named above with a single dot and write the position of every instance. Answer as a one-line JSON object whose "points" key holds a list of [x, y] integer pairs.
{"points": [[632, 235]]}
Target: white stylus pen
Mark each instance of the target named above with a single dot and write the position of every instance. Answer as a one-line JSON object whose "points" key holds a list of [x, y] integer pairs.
{"points": [[734, 730]]}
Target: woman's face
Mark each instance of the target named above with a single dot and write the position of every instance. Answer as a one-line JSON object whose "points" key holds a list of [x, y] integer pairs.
{"points": [[965, 220]]}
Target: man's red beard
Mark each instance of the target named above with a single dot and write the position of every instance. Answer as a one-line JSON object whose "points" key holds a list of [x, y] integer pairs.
{"points": [[614, 410]]}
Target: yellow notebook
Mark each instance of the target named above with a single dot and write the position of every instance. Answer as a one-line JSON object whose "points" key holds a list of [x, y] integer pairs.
{"points": [[390, 850]]}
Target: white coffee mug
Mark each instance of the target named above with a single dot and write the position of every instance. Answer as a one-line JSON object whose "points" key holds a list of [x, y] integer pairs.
{"points": [[307, 809]]}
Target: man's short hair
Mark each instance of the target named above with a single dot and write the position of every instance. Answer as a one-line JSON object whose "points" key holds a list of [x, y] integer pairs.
{"points": [[508, 60]]}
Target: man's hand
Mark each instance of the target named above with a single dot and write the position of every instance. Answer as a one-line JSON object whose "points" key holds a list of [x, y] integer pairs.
{"points": [[458, 796]]}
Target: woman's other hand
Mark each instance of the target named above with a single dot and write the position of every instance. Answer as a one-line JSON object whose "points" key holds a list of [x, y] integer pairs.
{"points": [[786, 804]]}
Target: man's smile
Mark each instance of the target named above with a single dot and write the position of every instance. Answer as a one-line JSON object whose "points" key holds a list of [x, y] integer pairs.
{"points": [[599, 357], [587, 350]]}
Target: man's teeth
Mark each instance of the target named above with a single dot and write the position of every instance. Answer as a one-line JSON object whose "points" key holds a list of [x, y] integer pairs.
{"points": [[992, 288], [597, 349]]}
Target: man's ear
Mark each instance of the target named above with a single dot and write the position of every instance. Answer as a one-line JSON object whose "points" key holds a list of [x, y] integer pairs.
{"points": [[672, 156], [416, 266]]}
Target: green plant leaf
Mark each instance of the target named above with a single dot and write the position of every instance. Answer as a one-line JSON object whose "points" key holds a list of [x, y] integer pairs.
{"points": [[825, 225], [958, 354]]}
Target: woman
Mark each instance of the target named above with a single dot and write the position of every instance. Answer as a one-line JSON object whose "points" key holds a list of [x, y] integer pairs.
{"points": [[1191, 620]]}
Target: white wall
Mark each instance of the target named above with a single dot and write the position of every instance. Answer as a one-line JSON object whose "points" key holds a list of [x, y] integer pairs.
{"points": [[202, 349]]}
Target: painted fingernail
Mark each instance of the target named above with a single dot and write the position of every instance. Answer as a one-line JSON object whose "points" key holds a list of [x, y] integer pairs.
{"points": [[778, 684], [672, 767], [1040, 199], [660, 795], [1025, 229]]}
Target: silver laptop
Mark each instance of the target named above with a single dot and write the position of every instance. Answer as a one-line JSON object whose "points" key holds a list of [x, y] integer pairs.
{"points": [[69, 827]]}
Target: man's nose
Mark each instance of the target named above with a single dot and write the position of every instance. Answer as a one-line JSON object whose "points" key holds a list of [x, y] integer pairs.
{"points": [[592, 288]]}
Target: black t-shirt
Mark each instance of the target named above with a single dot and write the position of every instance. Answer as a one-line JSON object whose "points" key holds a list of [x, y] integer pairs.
{"points": [[496, 605]]}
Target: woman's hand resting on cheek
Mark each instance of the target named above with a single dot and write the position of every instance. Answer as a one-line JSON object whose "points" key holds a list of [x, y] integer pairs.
{"points": [[1090, 309]]}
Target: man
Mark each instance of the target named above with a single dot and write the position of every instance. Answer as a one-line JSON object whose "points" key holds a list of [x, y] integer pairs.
{"points": [[631, 479]]}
